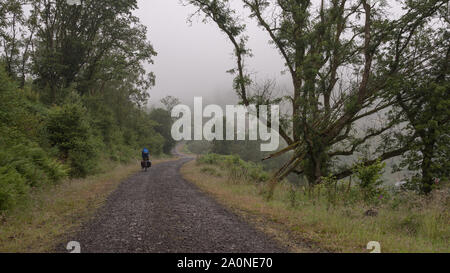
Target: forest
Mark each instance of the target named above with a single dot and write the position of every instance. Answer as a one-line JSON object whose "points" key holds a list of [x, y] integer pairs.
{"points": [[364, 123], [73, 91]]}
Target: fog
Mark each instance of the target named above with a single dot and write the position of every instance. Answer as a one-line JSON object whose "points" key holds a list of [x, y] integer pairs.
{"points": [[193, 58]]}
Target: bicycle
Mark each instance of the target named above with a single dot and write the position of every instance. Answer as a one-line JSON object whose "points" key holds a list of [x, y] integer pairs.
{"points": [[146, 164]]}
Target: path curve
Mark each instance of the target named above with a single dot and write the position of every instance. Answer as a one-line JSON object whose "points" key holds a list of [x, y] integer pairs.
{"points": [[160, 212]]}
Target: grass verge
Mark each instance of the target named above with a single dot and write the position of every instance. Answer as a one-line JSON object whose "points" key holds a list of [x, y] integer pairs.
{"points": [[301, 222], [51, 214]]}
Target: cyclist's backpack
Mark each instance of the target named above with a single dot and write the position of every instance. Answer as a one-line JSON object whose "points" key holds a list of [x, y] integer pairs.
{"points": [[149, 164]]}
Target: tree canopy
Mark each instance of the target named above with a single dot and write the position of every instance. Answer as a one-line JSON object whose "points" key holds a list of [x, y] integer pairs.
{"points": [[351, 61], [73, 85]]}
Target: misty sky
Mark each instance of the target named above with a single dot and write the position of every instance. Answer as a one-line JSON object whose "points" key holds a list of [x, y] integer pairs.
{"points": [[193, 59]]}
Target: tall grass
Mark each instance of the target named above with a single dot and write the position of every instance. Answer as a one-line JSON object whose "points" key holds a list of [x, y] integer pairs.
{"points": [[335, 215]]}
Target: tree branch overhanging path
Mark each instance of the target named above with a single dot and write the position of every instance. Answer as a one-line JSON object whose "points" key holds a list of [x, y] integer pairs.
{"points": [[349, 61]]}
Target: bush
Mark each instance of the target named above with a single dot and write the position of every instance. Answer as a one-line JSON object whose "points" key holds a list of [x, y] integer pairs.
{"points": [[370, 180], [68, 129], [12, 187], [237, 169], [164, 126], [42, 144], [25, 166], [24, 163], [212, 159]]}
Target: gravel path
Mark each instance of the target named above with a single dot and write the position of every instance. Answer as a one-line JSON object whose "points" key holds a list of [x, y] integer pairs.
{"points": [[159, 212]]}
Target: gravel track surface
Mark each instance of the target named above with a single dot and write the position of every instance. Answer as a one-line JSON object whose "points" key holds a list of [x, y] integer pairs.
{"points": [[160, 212]]}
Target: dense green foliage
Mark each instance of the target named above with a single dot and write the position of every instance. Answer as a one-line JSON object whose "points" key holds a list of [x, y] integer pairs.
{"points": [[23, 162], [163, 117], [370, 179], [72, 92], [41, 144], [423, 102], [69, 131]]}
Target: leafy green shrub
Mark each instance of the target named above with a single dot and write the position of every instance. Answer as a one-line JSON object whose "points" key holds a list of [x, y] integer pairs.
{"points": [[256, 172], [25, 166], [12, 187], [236, 168], [164, 127], [32, 162], [370, 180], [69, 130], [155, 142], [24, 163], [212, 159]]}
